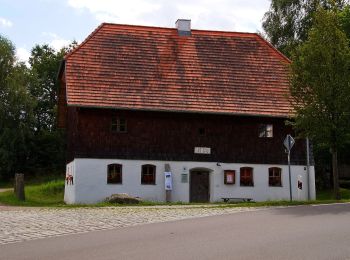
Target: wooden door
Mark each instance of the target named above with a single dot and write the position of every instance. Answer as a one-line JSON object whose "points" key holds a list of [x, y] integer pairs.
{"points": [[199, 186]]}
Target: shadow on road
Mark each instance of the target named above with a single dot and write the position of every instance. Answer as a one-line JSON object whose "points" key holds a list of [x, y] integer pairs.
{"points": [[321, 209]]}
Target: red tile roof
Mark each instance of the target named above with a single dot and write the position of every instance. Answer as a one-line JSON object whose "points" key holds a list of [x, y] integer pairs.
{"points": [[152, 68]]}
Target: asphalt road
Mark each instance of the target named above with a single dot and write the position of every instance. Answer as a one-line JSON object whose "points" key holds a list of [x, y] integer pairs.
{"points": [[303, 232]]}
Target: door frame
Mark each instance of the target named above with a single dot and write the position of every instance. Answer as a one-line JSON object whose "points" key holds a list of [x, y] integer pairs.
{"points": [[204, 170]]}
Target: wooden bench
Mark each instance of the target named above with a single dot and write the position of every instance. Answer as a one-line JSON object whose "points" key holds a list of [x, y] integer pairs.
{"points": [[237, 199]]}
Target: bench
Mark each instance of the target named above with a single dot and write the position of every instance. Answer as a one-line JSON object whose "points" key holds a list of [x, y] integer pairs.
{"points": [[237, 199]]}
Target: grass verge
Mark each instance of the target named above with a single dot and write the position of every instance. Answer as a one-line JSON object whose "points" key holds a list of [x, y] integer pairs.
{"points": [[45, 194], [50, 194]]}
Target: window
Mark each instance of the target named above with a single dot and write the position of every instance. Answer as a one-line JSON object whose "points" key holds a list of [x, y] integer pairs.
{"points": [[229, 177], [275, 176], [246, 175], [266, 130], [114, 174], [118, 125], [148, 174]]}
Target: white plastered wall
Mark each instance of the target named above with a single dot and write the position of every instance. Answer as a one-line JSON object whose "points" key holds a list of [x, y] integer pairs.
{"points": [[90, 181], [69, 190]]}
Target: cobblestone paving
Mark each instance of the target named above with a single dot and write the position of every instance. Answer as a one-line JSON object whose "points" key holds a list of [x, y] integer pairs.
{"points": [[21, 224]]}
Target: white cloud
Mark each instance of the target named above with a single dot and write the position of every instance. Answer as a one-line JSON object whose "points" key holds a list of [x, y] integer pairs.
{"points": [[239, 15], [55, 41], [23, 55], [5, 23]]}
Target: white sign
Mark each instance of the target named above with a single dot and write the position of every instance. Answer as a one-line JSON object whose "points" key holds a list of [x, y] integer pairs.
{"points": [[168, 181], [229, 178], [202, 150], [288, 142]]}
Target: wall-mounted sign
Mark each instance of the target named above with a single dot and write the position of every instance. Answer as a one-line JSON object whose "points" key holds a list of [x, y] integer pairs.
{"points": [[168, 181], [229, 177], [202, 150], [184, 178]]}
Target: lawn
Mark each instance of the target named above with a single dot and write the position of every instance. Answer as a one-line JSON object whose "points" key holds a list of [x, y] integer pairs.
{"points": [[50, 194], [44, 194]]}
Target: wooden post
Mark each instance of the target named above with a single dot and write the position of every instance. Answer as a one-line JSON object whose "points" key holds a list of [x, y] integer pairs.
{"points": [[167, 192], [19, 186]]}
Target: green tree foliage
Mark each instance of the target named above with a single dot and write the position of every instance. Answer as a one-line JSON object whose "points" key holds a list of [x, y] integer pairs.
{"points": [[287, 22], [48, 153], [44, 62], [29, 139], [16, 112], [320, 85], [344, 17]]}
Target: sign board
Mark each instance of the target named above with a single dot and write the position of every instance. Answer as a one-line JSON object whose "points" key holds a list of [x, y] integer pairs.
{"points": [[168, 181], [288, 142], [202, 150], [184, 178], [229, 177]]}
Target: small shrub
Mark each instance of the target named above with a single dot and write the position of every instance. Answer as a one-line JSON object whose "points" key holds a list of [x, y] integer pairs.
{"points": [[52, 187]]}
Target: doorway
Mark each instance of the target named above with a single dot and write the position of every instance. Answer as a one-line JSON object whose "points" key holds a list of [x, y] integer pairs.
{"points": [[199, 186]]}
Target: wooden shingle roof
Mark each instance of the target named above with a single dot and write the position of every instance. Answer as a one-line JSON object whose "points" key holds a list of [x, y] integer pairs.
{"points": [[152, 68]]}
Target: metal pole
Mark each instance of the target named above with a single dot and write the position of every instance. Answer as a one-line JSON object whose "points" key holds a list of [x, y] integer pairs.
{"points": [[308, 167], [290, 178]]}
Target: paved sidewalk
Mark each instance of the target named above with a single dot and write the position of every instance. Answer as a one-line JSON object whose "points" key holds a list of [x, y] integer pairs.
{"points": [[21, 224], [5, 189]]}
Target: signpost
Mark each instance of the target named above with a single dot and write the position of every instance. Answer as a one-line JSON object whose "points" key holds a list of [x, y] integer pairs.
{"points": [[168, 182], [288, 144]]}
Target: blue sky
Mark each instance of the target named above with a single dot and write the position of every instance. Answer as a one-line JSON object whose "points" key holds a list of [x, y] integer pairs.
{"points": [[58, 22]]}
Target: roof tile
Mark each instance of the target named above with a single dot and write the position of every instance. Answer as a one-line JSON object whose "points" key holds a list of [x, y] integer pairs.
{"points": [[151, 68]]}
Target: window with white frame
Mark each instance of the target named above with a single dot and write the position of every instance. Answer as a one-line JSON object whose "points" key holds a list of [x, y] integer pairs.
{"points": [[266, 130]]}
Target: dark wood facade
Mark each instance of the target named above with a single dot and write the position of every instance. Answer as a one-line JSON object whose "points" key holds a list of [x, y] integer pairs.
{"points": [[172, 136]]}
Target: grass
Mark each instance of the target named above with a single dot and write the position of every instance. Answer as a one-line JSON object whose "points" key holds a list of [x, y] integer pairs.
{"points": [[50, 194], [45, 194], [328, 194]]}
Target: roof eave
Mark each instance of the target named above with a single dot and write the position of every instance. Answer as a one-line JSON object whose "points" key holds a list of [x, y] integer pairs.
{"points": [[182, 111]]}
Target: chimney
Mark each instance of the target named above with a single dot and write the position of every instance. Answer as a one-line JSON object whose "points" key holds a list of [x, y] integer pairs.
{"points": [[183, 27]]}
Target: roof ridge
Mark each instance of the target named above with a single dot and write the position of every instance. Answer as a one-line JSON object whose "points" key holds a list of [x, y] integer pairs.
{"points": [[173, 28]]}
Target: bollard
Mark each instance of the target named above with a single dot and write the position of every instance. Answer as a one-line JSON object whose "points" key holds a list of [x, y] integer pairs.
{"points": [[19, 186]]}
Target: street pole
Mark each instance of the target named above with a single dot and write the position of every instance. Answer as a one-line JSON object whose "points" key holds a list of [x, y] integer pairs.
{"points": [[288, 144], [290, 178], [308, 167]]}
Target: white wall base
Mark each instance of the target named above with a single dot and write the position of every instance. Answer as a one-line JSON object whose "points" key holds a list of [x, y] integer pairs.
{"points": [[90, 181]]}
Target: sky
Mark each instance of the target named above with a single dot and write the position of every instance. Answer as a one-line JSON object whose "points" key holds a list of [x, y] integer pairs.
{"points": [[59, 22]]}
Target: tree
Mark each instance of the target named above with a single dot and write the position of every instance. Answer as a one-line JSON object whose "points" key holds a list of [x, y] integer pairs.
{"points": [[287, 22], [16, 112], [48, 152], [44, 64], [344, 17], [320, 86]]}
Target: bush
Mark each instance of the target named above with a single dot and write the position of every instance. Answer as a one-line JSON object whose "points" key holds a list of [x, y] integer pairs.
{"points": [[51, 188]]}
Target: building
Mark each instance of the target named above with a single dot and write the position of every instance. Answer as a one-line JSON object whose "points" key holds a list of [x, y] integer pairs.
{"points": [[208, 106]]}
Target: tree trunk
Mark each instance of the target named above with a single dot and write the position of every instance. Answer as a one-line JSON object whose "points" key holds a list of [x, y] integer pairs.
{"points": [[335, 173]]}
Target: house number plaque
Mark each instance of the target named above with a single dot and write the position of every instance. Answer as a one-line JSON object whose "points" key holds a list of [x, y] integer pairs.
{"points": [[202, 150]]}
